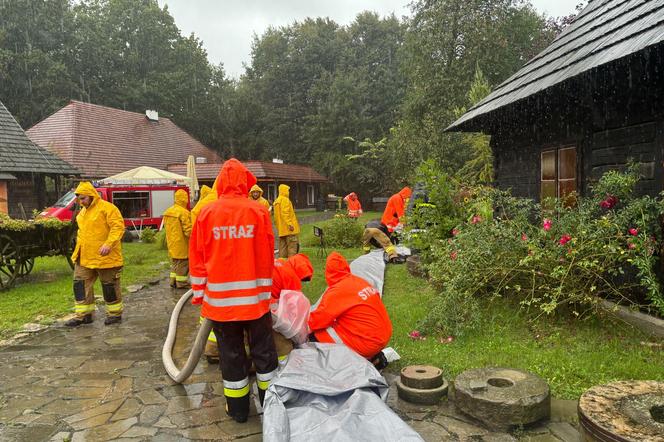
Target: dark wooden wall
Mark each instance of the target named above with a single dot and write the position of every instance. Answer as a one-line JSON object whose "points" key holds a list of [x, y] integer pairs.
{"points": [[612, 115]]}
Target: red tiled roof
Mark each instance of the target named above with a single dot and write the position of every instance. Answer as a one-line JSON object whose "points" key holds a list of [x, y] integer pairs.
{"points": [[102, 141], [262, 170]]}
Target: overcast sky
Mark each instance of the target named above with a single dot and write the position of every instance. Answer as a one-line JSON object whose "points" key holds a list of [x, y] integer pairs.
{"points": [[226, 27]]}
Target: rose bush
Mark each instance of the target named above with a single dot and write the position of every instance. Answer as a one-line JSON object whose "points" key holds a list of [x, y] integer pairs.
{"points": [[558, 259]]}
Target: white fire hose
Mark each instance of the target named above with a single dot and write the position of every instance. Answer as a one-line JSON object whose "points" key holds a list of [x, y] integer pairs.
{"points": [[176, 374]]}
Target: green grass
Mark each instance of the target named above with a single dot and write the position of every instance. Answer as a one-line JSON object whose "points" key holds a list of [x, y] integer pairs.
{"points": [[46, 293], [571, 355]]}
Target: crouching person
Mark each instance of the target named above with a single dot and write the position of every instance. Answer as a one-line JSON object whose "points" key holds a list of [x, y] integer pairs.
{"points": [[98, 254], [350, 312], [376, 235], [231, 260]]}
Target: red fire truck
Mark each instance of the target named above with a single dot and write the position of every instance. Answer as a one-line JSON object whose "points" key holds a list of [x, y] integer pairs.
{"points": [[140, 205]]}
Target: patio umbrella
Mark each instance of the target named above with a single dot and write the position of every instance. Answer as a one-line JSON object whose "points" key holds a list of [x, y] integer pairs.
{"points": [[191, 174], [145, 175]]}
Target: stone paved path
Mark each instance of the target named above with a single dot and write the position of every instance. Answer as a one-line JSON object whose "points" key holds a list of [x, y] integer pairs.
{"points": [[99, 383]]}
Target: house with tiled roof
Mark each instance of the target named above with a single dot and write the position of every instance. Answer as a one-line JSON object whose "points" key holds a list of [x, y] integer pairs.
{"points": [[590, 102], [102, 141], [304, 181], [30, 176]]}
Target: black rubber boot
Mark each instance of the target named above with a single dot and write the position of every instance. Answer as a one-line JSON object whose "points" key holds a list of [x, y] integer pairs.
{"points": [[75, 322], [112, 320]]}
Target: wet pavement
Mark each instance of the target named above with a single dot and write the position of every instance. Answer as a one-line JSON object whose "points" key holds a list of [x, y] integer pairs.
{"points": [[97, 382]]}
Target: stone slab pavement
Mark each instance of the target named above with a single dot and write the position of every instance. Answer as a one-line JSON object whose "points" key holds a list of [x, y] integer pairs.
{"points": [[97, 383]]}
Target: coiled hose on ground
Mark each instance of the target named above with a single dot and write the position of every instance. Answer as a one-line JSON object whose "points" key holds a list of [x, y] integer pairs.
{"points": [[176, 374]]}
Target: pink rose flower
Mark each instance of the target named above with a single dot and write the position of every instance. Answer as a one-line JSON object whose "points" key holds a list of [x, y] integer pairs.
{"points": [[564, 240], [546, 224], [631, 246], [476, 219], [455, 232], [524, 237], [633, 231]]}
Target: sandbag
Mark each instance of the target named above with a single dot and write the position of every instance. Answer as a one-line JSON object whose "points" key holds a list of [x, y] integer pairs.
{"points": [[327, 392], [291, 315]]}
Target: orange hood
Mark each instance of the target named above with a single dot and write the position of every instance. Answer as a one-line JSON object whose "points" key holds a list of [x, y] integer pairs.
{"points": [[302, 266], [405, 193], [336, 269], [235, 179]]}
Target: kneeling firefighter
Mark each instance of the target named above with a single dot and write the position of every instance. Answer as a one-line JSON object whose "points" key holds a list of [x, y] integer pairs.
{"points": [[231, 260], [376, 234]]}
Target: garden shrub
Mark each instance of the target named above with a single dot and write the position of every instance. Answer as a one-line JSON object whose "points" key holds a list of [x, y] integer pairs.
{"points": [[340, 232], [558, 259], [148, 235], [160, 239]]}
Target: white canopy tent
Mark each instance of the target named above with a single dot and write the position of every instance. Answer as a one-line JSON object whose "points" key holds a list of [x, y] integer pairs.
{"points": [[146, 175]]}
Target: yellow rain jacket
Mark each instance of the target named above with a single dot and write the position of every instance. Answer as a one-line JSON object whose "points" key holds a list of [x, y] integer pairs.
{"points": [[260, 200], [284, 213], [177, 222], [99, 224], [207, 195]]}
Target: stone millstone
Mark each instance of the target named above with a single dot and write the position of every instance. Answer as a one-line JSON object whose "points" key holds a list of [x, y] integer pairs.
{"points": [[422, 396], [423, 377], [623, 411], [502, 398]]}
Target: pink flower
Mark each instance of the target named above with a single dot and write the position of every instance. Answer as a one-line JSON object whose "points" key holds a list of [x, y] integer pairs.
{"points": [[609, 202], [633, 231], [476, 219], [524, 237], [416, 336], [546, 224], [455, 232], [631, 246], [453, 255], [564, 240]]}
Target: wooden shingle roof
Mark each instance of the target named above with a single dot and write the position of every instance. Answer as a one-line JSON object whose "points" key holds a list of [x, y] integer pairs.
{"points": [[605, 31], [102, 141], [19, 154]]}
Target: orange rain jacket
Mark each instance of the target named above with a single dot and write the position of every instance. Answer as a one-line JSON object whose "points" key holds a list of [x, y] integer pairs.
{"points": [[231, 251], [289, 273], [395, 209], [351, 311], [354, 205]]}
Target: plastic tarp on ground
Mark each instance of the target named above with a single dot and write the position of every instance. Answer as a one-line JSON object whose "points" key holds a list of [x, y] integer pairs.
{"points": [[327, 392], [371, 268]]}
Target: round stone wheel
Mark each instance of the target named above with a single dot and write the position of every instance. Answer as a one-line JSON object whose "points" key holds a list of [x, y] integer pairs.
{"points": [[423, 377], [623, 411], [502, 398], [422, 396]]}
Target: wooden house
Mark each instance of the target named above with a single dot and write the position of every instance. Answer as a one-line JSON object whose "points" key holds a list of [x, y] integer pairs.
{"points": [[30, 177], [590, 102]]}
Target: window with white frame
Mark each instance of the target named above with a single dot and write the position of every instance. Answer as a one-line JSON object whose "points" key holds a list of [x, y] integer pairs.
{"points": [[311, 195]]}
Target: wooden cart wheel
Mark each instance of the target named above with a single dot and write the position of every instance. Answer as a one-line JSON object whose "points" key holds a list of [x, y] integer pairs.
{"points": [[10, 262], [26, 267]]}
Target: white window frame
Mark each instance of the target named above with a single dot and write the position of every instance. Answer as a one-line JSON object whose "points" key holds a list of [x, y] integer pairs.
{"points": [[311, 195]]}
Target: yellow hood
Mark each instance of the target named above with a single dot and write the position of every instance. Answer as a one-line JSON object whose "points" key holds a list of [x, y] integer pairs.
{"points": [[256, 188], [86, 188], [181, 198], [205, 191], [284, 190]]}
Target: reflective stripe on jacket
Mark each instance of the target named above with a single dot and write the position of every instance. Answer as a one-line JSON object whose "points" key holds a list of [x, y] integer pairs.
{"points": [[177, 223], [231, 251], [351, 311], [99, 224], [284, 213]]}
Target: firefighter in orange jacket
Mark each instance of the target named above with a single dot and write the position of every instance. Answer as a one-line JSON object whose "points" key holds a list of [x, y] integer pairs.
{"points": [[231, 262], [354, 205], [395, 209], [350, 312]]}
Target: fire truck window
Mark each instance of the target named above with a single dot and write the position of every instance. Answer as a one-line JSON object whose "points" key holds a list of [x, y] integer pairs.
{"points": [[133, 204]]}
